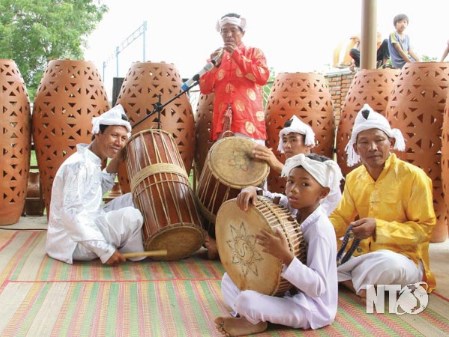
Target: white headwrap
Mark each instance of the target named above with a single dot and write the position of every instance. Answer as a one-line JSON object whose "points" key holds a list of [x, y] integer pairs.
{"points": [[241, 22], [110, 117], [297, 126], [367, 119], [327, 173]]}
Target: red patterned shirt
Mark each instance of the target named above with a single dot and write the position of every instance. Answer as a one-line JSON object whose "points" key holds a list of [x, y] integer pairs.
{"points": [[237, 83]]}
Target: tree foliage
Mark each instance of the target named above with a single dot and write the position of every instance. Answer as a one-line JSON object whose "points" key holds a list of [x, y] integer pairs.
{"points": [[34, 32]]}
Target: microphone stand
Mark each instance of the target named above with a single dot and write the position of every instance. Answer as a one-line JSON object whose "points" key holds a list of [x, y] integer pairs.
{"points": [[158, 106]]}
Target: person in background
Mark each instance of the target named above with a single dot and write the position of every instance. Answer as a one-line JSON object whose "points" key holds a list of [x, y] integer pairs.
{"points": [[296, 137], [399, 45], [236, 80], [80, 226], [387, 204], [312, 304], [382, 56]]}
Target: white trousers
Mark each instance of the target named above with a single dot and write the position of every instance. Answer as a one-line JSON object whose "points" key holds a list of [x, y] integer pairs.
{"points": [[379, 267], [121, 227], [257, 307]]}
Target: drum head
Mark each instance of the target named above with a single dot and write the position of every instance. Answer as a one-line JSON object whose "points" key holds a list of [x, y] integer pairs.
{"points": [[240, 254], [231, 161], [179, 241]]}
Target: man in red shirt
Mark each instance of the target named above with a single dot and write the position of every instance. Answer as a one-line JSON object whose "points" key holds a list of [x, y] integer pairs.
{"points": [[236, 80]]}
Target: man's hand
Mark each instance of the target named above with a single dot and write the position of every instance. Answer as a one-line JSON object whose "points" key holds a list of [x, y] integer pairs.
{"points": [[364, 228], [115, 259], [247, 196], [115, 162]]}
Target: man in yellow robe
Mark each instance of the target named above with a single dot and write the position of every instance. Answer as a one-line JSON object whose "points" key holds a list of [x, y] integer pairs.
{"points": [[388, 203]]}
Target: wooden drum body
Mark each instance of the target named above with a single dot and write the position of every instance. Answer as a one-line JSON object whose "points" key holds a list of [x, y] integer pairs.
{"points": [[229, 167], [242, 258], [161, 191]]}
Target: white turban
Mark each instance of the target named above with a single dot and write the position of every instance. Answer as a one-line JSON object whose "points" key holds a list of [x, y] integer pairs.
{"points": [[110, 117], [327, 173], [241, 22], [367, 119], [297, 126]]}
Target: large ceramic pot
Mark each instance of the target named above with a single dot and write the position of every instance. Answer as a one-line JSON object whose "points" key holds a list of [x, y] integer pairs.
{"points": [[416, 107], [373, 87], [307, 96], [15, 142], [203, 125], [147, 83], [69, 95]]}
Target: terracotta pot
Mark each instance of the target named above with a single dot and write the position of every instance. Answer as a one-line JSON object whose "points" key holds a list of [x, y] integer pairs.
{"points": [[445, 153], [368, 86], [141, 88], [69, 95], [15, 142], [307, 96], [416, 107], [203, 125]]}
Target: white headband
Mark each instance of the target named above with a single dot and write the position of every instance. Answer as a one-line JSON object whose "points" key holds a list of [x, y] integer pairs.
{"points": [[297, 126], [327, 173], [367, 119], [110, 117], [241, 22]]}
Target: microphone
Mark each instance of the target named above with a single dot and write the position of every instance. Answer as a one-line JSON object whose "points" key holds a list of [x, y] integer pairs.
{"points": [[185, 86]]}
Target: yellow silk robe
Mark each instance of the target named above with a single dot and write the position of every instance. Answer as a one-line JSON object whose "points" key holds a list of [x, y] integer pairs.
{"points": [[401, 201]]}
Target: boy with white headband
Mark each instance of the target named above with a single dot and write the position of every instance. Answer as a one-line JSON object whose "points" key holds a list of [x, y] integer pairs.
{"points": [[310, 178], [236, 81], [389, 204], [295, 138], [80, 227]]}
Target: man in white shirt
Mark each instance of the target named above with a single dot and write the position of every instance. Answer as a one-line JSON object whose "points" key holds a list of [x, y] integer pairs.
{"points": [[80, 226]]}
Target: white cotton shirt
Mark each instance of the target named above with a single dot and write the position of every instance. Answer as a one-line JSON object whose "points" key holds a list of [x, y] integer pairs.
{"points": [[316, 280], [76, 201], [315, 304]]}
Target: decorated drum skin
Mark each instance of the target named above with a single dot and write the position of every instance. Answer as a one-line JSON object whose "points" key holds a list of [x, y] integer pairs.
{"points": [[242, 258], [230, 166]]}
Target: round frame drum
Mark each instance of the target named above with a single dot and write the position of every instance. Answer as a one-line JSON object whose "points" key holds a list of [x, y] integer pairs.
{"points": [[242, 258], [161, 191], [230, 166]]}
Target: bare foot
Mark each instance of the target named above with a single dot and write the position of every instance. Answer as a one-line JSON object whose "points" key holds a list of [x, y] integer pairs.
{"points": [[238, 326], [361, 294], [348, 284], [211, 246]]}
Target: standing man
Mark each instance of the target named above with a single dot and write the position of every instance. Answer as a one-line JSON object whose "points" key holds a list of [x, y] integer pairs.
{"points": [[80, 227], [389, 204], [236, 81]]}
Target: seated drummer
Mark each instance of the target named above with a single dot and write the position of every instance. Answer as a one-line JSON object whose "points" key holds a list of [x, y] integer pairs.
{"points": [[313, 304], [296, 137], [80, 227], [392, 202]]}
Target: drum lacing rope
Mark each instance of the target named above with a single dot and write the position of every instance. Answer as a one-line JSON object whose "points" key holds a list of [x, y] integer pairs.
{"points": [[355, 243]]}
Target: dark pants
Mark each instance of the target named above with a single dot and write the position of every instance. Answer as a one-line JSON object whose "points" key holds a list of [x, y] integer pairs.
{"points": [[382, 54]]}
